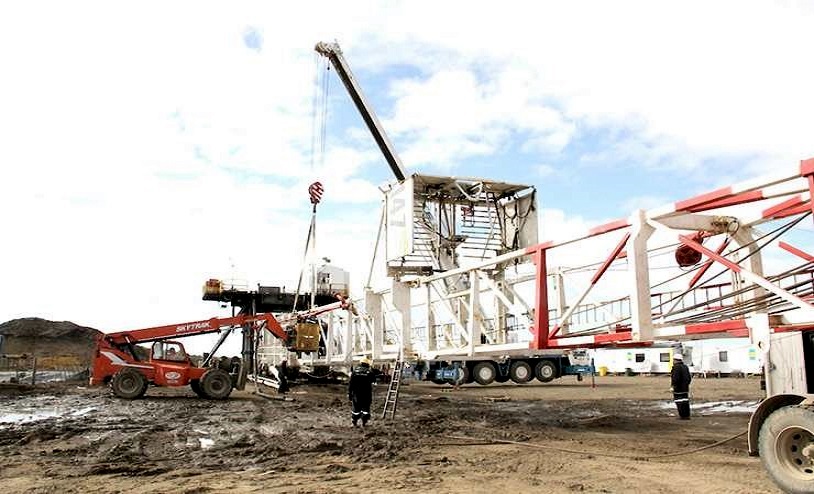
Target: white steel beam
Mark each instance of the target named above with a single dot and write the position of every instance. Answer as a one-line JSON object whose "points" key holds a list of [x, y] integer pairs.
{"points": [[694, 221], [432, 339], [499, 295], [473, 324], [744, 238], [448, 305], [640, 304], [519, 299], [373, 307], [401, 302], [559, 288]]}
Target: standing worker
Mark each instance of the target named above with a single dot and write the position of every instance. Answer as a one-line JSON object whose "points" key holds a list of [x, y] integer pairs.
{"points": [[680, 378], [360, 391]]}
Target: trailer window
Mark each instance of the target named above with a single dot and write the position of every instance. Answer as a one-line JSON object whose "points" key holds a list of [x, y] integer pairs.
{"points": [[664, 357], [723, 357], [639, 357]]}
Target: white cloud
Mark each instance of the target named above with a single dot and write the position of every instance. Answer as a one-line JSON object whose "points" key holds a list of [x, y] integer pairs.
{"points": [[544, 170], [643, 202], [451, 116], [711, 79]]}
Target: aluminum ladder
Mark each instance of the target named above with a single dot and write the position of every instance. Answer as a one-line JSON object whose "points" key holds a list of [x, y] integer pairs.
{"points": [[392, 398]]}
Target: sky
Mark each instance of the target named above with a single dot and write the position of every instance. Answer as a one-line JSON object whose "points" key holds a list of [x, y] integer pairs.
{"points": [[148, 146]]}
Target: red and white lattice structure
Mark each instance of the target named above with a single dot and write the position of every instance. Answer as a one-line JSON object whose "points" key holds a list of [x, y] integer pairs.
{"points": [[616, 284], [752, 222]]}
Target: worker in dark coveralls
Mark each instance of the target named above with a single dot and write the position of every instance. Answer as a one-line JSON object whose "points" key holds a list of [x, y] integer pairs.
{"points": [[680, 380], [360, 392]]}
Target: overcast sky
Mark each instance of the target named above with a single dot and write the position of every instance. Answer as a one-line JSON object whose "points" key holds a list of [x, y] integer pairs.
{"points": [[148, 146]]}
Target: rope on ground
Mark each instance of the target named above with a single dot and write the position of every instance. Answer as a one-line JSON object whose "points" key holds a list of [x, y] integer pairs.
{"points": [[481, 441]]}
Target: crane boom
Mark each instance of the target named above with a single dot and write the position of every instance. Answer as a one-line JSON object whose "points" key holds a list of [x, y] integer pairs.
{"points": [[206, 326], [333, 53]]}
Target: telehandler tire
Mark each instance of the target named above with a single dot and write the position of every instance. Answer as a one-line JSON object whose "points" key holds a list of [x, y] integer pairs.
{"points": [[216, 384], [129, 384], [195, 384]]}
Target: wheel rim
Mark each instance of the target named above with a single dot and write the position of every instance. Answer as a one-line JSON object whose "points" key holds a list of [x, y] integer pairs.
{"points": [[795, 451], [522, 372], [128, 384], [486, 373], [218, 385], [546, 371]]}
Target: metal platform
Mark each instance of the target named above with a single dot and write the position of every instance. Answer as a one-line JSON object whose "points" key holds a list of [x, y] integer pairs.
{"points": [[267, 299]]}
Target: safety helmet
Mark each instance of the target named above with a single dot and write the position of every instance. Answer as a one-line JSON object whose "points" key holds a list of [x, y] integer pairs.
{"points": [[365, 360], [678, 356]]}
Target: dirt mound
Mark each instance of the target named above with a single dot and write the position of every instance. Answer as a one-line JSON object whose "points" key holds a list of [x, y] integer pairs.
{"points": [[70, 344], [35, 327]]}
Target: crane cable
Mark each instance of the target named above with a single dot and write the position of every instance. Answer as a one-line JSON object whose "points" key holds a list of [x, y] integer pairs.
{"points": [[481, 441], [319, 118]]}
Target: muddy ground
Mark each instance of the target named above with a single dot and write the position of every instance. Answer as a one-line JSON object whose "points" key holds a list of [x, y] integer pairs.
{"points": [[88, 441]]}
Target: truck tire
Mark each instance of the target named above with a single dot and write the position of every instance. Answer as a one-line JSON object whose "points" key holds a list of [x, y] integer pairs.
{"points": [[195, 384], [520, 372], [545, 371], [484, 373], [785, 445], [216, 384], [129, 384], [464, 376]]}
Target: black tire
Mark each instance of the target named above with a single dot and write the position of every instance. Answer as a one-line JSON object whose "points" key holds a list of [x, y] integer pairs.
{"points": [[464, 376], [129, 384], [521, 372], [784, 438], [195, 384], [216, 384], [484, 373], [545, 371]]}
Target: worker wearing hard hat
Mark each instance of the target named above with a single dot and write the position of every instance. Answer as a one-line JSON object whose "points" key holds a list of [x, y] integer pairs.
{"points": [[360, 392], [680, 378]]}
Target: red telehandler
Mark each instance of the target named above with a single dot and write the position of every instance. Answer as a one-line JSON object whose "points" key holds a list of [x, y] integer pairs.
{"points": [[118, 361]]}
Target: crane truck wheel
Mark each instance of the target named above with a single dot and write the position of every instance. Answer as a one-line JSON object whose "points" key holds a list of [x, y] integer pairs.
{"points": [[195, 384], [520, 372], [545, 371], [216, 384], [129, 384], [786, 447], [484, 373]]}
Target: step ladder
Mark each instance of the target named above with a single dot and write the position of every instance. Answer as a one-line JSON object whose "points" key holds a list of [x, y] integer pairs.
{"points": [[392, 398]]}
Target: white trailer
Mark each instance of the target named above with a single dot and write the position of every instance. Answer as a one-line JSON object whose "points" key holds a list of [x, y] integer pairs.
{"points": [[735, 356], [638, 360]]}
